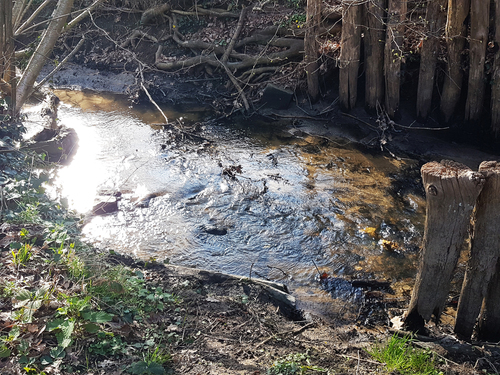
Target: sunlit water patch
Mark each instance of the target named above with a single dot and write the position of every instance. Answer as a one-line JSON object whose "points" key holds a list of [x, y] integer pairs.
{"points": [[298, 203]]}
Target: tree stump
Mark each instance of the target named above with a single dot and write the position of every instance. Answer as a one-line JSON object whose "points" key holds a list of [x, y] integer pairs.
{"points": [[393, 54], [452, 189], [456, 29], [484, 252], [374, 53], [435, 19], [488, 328], [479, 24], [350, 54]]}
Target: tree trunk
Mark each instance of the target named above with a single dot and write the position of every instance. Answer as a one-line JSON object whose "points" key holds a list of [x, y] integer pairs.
{"points": [[313, 20], [479, 22], [374, 53], [436, 19], [455, 40], [393, 54], [43, 50], [495, 88], [451, 189], [350, 54], [484, 252], [488, 328]]}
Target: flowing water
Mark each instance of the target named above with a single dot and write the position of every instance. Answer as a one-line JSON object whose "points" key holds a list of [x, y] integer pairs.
{"points": [[298, 203]]}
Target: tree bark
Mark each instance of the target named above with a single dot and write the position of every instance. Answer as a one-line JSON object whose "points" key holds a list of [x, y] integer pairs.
{"points": [[436, 19], [451, 189], [393, 54], [479, 20], [484, 251], [374, 53], [42, 52], [350, 54], [313, 19], [455, 40], [495, 88]]}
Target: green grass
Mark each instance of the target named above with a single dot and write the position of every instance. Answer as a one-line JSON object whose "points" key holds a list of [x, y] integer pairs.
{"points": [[399, 354]]}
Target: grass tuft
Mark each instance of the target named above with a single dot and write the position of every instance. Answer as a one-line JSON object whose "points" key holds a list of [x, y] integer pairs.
{"points": [[398, 354]]}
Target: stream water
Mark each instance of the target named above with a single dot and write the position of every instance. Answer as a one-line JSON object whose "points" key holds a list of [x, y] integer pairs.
{"points": [[298, 201]]}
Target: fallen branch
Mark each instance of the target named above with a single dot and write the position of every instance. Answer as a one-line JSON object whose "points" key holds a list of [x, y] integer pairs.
{"points": [[235, 36], [207, 12], [149, 14], [295, 332]]}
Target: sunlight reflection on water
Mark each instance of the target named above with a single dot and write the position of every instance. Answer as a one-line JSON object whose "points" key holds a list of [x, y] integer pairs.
{"points": [[297, 201]]}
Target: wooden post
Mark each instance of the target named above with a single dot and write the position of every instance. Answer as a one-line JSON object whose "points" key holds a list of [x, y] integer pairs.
{"points": [[484, 251], [374, 53], [488, 328], [350, 54], [435, 19], [455, 40], [495, 87], [452, 190], [313, 19], [479, 22], [393, 54]]}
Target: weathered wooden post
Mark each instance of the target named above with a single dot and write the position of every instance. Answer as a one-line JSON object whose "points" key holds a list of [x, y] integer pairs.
{"points": [[393, 54], [456, 31], [488, 328], [350, 53], [484, 252], [495, 87], [435, 19], [452, 189], [479, 24], [313, 19], [374, 53]]}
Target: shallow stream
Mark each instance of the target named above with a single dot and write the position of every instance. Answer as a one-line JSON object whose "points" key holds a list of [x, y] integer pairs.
{"points": [[299, 201]]}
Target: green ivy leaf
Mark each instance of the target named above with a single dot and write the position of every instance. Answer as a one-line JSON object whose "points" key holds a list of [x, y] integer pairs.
{"points": [[64, 335], [97, 316], [91, 327], [140, 368], [4, 351]]}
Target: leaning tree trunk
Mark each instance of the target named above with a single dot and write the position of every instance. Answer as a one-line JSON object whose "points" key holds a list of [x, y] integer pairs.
{"points": [[436, 19], [455, 40], [350, 53], [313, 19], [374, 53], [495, 88], [451, 189], [479, 22], [393, 54], [484, 251], [43, 50]]}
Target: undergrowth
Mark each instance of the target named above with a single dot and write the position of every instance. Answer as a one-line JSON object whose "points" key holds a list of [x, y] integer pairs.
{"points": [[64, 307]]}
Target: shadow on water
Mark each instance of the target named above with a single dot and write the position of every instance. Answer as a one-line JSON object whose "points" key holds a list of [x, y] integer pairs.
{"points": [[247, 197]]}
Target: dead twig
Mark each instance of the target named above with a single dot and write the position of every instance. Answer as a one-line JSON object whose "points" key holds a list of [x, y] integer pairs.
{"points": [[294, 332]]}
